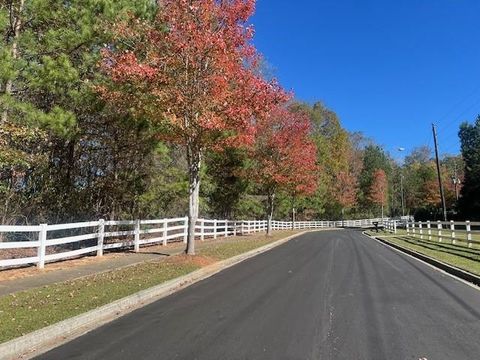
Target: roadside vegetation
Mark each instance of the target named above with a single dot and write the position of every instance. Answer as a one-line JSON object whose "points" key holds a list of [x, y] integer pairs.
{"points": [[26, 311], [458, 255]]}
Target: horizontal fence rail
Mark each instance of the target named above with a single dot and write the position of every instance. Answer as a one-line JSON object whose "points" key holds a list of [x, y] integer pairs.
{"points": [[39, 244], [462, 232]]}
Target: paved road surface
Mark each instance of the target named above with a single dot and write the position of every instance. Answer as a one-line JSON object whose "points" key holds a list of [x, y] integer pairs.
{"points": [[325, 295]]}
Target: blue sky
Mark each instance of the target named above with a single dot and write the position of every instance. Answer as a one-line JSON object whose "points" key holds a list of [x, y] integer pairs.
{"points": [[387, 68]]}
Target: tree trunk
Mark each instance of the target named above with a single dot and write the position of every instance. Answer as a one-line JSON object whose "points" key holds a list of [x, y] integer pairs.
{"points": [[270, 199], [194, 162], [16, 33], [293, 217], [293, 212]]}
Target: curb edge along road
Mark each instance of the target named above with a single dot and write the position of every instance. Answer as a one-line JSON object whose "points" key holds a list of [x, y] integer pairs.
{"points": [[457, 273], [43, 340]]}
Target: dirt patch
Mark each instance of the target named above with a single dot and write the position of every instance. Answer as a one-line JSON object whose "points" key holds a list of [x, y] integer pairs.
{"points": [[22, 272], [198, 260]]}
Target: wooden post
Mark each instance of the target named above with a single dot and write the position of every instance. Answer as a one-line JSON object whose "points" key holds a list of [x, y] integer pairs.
{"points": [[420, 229], [395, 226], [215, 228], [42, 237], [408, 228], [439, 230], [202, 229], [101, 236], [165, 232], [452, 231], [136, 242], [413, 229], [226, 228], [234, 228], [429, 230], [469, 233]]}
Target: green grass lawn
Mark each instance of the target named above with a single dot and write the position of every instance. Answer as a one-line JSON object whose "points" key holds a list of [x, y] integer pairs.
{"points": [[458, 255], [240, 245], [460, 236], [33, 309]]}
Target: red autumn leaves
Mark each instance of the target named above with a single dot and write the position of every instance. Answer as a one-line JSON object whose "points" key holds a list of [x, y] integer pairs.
{"points": [[192, 70], [193, 74], [283, 156], [379, 188]]}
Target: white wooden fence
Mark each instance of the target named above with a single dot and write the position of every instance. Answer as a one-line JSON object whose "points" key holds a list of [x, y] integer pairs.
{"points": [[125, 233], [452, 231], [361, 223], [45, 243]]}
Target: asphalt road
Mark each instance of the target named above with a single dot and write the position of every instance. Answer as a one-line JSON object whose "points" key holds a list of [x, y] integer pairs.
{"points": [[324, 295]]}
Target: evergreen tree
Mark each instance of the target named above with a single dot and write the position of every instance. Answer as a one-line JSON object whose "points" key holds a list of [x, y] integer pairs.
{"points": [[470, 146]]}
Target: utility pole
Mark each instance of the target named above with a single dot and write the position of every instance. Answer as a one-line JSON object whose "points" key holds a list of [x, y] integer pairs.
{"points": [[442, 196]]}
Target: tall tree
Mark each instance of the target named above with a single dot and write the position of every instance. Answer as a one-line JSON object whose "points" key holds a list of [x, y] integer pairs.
{"points": [[374, 158], [48, 56], [470, 145], [191, 72], [378, 191], [345, 190], [334, 151], [283, 157]]}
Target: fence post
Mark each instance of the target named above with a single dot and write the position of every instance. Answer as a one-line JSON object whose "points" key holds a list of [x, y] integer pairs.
{"points": [[429, 230], [234, 228], [165, 232], [395, 226], [42, 237], [215, 228], [202, 229], [101, 236], [439, 230], [408, 228], [185, 231], [136, 242], [469, 233], [452, 230], [226, 228], [413, 229], [420, 229]]}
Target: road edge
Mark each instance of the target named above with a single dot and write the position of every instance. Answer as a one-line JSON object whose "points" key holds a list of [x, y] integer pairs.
{"points": [[45, 339], [455, 272]]}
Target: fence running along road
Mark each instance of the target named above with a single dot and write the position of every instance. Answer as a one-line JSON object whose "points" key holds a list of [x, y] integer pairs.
{"points": [[46, 243], [464, 232], [330, 295]]}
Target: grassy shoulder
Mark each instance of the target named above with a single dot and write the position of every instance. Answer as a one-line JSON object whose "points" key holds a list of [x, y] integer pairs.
{"points": [[30, 310], [459, 256]]}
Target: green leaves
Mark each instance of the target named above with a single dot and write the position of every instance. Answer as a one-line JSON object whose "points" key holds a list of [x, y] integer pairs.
{"points": [[53, 75], [470, 146]]}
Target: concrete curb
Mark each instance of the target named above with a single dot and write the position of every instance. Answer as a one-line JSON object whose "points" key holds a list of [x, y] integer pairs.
{"points": [[42, 340], [449, 269]]}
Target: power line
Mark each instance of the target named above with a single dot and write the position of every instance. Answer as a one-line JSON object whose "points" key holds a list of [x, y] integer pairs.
{"points": [[458, 104], [457, 118]]}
